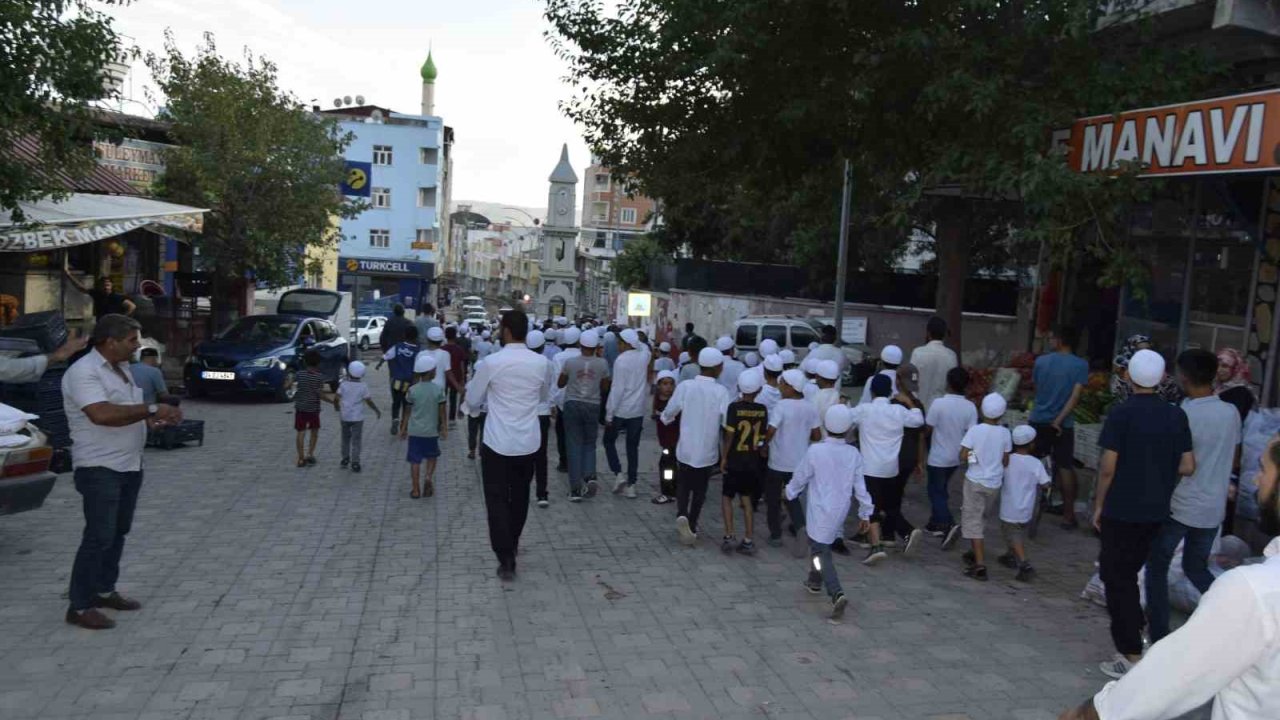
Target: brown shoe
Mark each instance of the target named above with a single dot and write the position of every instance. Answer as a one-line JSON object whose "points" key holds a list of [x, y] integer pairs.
{"points": [[90, 619], [116, 601]]}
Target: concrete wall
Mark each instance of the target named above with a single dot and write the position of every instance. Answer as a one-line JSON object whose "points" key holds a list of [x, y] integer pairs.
{"points": [[988, 340]]}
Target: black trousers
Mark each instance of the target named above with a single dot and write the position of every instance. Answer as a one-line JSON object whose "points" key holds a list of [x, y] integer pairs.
{"points": [[540, 469], [691, 491], [1125, 548], [506, 499], [887, 494], [475, 430], [453, 404], [397, 402], [560, 447], [881, 491], [775, 481]]}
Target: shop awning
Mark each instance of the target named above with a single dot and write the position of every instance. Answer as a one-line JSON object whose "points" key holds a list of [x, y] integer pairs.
{"points": [[80, 219]]}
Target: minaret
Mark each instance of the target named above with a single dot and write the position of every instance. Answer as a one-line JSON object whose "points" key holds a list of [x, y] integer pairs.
{"points": [[428, 86]]}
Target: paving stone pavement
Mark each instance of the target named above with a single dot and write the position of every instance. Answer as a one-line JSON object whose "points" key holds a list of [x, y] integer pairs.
{"points": [[277, 592]]}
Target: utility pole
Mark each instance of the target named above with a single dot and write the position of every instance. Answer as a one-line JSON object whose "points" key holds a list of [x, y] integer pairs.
{"points": [[842, 257]]}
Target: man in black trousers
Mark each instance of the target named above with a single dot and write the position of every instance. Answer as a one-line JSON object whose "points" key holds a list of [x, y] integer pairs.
{"points": [[512, 382]]}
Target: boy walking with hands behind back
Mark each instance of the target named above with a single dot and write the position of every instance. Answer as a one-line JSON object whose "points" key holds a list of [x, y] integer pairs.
{"points": [[1023, 478]]}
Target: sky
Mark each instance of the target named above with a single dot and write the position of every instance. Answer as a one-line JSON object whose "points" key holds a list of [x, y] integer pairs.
{"points": [[499, 82]]}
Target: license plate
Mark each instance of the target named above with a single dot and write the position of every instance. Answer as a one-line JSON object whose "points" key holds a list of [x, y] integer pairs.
{"points": [[216, 375]]}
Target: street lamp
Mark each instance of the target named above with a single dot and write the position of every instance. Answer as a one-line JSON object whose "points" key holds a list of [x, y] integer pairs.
{"points": [[532, 219]]}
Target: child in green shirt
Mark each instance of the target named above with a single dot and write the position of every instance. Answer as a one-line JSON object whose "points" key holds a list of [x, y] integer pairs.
{"points": [[424, 425]]}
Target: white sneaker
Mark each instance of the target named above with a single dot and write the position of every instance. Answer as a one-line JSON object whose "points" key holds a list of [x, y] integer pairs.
{"points": [[1116, 667], [687, 536], [913, 541], [630, 492], [620, 484]]}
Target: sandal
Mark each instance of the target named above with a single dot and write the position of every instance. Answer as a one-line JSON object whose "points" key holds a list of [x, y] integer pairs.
{"points": [[302, 463], [430, 488], [415, 493]]}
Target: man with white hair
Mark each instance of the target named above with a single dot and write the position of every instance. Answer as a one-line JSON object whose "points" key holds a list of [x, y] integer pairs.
{"points": [[700, 405], [732, 368], [624, 410], [1146, 450], [890, 359]]}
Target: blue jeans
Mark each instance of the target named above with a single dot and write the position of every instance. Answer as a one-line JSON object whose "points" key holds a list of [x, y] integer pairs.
{"points": [[109, 499], [939, 514], [581, 421], [825, 570], [1195, 563], [632, 427]]}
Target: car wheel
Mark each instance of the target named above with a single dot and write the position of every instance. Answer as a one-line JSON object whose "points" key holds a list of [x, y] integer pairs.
{"points": [[287, 389], [364, 343]]}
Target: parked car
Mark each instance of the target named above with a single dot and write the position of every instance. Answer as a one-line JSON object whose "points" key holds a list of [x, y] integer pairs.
{"points": [[368, 332], [262, 353], [25, 480], [790, 332]]}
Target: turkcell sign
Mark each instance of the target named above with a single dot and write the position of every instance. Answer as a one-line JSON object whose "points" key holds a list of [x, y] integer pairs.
{"points": [[377, 266]]}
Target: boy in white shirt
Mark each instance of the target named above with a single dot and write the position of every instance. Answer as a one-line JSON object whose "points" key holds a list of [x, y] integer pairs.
{"points": [[949, 417], [985, 449], [352, 397], [770, 394], [831, 473], [793, 424], [881, 428], [1023, 478], [827, 393]]}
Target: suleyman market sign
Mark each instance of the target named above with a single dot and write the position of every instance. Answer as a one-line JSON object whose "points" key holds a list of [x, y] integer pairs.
{"points": [[42, 238], [1235, 134]]}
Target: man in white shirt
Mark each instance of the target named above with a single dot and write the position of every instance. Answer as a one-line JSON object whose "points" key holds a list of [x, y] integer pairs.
{"points": [[700, 404], [890, 359], [445, 379], [108, 421], [948, 419], [513, 383], [624, 410], [793, 424], [569, 338], [771, 372], [828, 351], [880, 429], [932, 361], [732, 368], [1228, 651]]}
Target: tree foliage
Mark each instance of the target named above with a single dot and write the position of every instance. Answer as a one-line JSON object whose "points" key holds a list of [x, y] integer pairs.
{"points": [[739, 116], [631, 267], [267, 169], [53, 53]]}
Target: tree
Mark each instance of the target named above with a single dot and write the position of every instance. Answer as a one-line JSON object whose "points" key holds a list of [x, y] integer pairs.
{"points": [[267, 169], [739, 115], [631, 268], [54, 53]]}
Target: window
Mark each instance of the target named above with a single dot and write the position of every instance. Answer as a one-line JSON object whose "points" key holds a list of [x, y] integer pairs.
{"points": [[628, 216], [429, 156], [776, 333], [380, 238], [325, 332], [602, 181], [801, 336], [601, 239], [426, 197], [381, 197], [425, 238], [746, 336], [381, 154], [600, 212]]}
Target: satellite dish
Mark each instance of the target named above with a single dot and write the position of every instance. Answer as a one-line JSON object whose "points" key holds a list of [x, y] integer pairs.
{"points": [[337, 102], [346, 99], [376, 116], [359, 99]]}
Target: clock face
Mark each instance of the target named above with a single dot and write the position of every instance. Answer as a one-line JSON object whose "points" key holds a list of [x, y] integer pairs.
{"points": [[562, 203]]}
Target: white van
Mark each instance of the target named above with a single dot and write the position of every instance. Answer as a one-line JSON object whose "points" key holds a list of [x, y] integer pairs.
{"points": [[788, 331]]}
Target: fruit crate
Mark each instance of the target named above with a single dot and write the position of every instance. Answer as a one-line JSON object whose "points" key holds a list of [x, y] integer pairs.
{"points": [[173, 436]]}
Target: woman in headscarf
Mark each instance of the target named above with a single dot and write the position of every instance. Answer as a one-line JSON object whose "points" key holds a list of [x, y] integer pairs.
{"points": [[1234, 381], [1167, 389]]}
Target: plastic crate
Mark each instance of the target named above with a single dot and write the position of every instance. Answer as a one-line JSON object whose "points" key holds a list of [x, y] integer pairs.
{"points": [[48, 329], [171, 437]]}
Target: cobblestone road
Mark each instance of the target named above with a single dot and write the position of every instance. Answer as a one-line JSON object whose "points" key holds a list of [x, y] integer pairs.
{"points": [[273, 592]]}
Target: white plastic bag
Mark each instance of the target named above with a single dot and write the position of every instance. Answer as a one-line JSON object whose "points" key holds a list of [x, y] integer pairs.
{"points": [[12, 419]]}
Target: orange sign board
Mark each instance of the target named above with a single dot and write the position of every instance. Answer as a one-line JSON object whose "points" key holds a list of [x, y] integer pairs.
{"points": [[1240, 133]]}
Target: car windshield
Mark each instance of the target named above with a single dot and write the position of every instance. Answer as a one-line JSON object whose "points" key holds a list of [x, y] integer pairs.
{"points": [[260, 329]]}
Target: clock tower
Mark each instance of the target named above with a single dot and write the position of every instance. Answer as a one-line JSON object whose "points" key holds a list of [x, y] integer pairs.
{"points": [[557, 287]]}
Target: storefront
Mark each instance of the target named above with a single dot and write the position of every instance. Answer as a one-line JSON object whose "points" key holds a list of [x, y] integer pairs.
{"points": [[1209, 244], [372, 279]]}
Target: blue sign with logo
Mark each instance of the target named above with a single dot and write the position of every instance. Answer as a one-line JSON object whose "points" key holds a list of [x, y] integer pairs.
{"points": [[378, 266], [358, 180]]}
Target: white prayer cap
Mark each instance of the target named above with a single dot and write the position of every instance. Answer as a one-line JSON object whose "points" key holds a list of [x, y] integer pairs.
{"points": [[664, 348], [484, 334], [891, 354], [710, 357], [809, 366], [724, 343], [435, 334], [1023, 435], [813, 346], [828, 369], [751, 360], [424, 363], [356, 369], [535, 339], [993, 406], [551, 335], [571, 335], [1146, 368], [768, 347], [795, 379], [788, 357], [749, 382], [666, 375], [632, 338], [773, 363], [589, 339], [684, 358], [839, 419]]}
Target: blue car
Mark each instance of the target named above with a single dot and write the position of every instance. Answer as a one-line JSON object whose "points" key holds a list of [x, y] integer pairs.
{"points": [[262, 353]]}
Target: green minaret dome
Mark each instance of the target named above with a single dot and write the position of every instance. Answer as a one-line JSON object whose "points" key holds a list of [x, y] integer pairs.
{"points": [[429, 69]]}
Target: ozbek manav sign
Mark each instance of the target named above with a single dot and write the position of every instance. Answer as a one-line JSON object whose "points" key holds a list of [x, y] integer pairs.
{"points": [[1235, 134]]}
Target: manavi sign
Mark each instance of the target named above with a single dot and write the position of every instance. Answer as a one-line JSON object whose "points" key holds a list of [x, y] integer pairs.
{"points": [[1240, 133]]}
